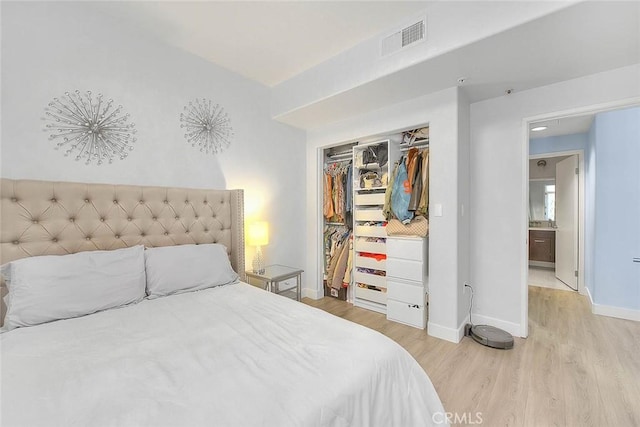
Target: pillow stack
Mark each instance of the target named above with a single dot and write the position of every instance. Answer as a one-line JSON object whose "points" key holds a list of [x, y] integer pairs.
{"points": [[47, 288]]}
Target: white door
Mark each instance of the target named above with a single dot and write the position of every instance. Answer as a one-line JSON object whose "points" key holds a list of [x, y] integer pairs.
{"points": [[567, 221]]}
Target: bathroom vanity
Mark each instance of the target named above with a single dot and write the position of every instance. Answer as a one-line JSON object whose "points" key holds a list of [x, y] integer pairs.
{"points": [[542, 245]]}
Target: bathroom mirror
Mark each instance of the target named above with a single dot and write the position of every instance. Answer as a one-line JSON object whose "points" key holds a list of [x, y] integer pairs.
{"points": [[542, 199]]}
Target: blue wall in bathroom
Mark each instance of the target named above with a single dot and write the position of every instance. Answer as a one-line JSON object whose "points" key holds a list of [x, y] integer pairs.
{"points": [[556, 144]]}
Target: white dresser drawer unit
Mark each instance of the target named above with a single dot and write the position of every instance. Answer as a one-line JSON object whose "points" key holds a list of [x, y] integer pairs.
{"points": [[368, 262], [370, 199], [362, 245], [409, 248], [405, 269], [411, 293], [371, 231], [369, 215], [407, 280], [409, 314], [371, 295], [370, 279]]}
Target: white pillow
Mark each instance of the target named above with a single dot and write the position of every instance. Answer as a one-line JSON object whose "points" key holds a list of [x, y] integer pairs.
{"points": [[184, 268], [47, 288]]}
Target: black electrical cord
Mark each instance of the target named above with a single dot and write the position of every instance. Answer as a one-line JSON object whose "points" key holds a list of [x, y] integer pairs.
{"points": [[471, 303]]}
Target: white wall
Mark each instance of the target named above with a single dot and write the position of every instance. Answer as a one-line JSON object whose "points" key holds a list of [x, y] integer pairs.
{"points": [[464, 210], [50, 48], [440, 111], [498, 182]]}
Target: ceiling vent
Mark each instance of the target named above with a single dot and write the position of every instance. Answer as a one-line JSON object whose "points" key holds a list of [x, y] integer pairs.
{"points": [[404, 38]]}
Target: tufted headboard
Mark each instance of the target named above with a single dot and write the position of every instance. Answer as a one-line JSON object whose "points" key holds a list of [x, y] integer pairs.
{"points": [[56, 218]]}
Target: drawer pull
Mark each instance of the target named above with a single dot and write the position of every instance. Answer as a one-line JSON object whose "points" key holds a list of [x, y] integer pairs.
{"points": [[413, 306], [538, 241], [636, 260]]}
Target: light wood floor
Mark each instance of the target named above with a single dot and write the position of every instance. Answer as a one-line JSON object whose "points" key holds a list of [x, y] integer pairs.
{"points": [[574, 369]]}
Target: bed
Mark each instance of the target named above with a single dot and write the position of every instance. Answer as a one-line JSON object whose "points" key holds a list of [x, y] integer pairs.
{"points": [[227, 354]]}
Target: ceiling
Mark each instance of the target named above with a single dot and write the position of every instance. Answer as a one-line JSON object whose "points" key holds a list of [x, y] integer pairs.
{"points": [[265, 41], [272, 41], [580, 40], [562, 126]]}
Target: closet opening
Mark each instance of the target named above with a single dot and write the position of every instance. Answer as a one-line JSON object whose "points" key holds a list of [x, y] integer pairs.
{"points": [[375, 194]]}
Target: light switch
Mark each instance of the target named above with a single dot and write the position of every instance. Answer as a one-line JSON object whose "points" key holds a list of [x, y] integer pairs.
{"points": [[437, 209]]}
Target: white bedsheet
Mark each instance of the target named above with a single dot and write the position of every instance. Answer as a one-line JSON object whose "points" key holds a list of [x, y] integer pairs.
{"points": [[228, 356]]}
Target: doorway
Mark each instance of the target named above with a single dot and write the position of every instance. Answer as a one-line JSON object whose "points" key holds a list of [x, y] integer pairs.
{"points": [[554, 219], [587, 230]]}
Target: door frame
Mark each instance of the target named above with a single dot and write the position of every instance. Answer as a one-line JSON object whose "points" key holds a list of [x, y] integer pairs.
{"points": [[581, 208], [524, 202]]}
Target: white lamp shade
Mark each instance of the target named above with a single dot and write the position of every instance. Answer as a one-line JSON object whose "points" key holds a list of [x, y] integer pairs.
{"points": [[258, 233]]}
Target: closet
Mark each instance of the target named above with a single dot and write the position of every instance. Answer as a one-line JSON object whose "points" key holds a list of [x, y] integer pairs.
{"points": [[371, 178], [337, 207], [385, 268]]}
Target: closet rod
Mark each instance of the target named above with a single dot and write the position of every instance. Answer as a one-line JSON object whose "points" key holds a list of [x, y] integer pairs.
{"points": [[345, 155], [418, 145]]}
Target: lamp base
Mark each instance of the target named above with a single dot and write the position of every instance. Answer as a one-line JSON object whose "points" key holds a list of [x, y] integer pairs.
{"points": [[258, 262]]}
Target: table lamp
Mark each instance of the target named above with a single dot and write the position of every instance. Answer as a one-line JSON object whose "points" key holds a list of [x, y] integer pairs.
{"points": [[258, 236]]}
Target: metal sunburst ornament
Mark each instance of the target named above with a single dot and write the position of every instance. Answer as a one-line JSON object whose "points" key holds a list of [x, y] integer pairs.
{"points": [[207, 126], [88, 126]]}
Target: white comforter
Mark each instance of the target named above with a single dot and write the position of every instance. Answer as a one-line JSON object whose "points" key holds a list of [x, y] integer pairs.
{"points": [[228, 356]]}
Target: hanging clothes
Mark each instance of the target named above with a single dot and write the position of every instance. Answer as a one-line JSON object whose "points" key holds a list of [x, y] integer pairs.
{"points": [[346, 281], [411, 161], [333, 256], [328, 198], [349, 189], [401, 195], [386, 209], [339, 202], [341, 266], [423, 205], [337, 244], [416, 186]]}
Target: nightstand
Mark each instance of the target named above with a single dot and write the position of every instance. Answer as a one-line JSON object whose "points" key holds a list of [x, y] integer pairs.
{"points": [[274, 274]]}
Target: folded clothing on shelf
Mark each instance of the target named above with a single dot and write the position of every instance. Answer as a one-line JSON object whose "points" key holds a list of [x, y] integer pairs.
{"points": [[377, 257]]}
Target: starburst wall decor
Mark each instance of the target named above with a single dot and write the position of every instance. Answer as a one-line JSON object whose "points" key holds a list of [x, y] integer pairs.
{"points": [[89, 127], [207, 126]]}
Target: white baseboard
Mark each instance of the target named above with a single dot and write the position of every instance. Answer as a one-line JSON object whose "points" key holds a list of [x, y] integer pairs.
{"points": [[543, 264], [611, 311], [461, 328], [588, 294], [618, 312], [312, 293], [512, 328], [444, 333]]}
